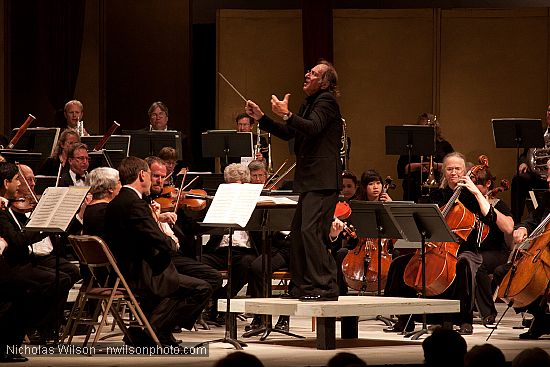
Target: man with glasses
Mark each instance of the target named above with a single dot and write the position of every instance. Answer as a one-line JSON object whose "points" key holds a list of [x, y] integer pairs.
{"points": [[158, 117], [317, 131], [74, 174]]}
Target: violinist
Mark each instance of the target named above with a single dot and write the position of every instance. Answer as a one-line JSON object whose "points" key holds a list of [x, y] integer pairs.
{"points": [[169, 156], [349, 185], [56, 161], [104, 185], [540, 324], [463, 286], [494, 248], [79, 161]]}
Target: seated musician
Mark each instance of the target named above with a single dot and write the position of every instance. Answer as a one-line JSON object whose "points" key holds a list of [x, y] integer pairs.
{"points": [[169, 156], [158, 117], [349, 186], [144, 256], [469, 259], [104, 186], [540, 325], [182, 257], [73, 111], [412, 180], [21, 262], [245, 124], [53, 164], [494, 248], [280, 254], [370, 190], [243, 249], [79, 161]]}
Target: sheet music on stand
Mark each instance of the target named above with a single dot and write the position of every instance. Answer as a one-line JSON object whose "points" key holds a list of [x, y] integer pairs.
{"points": [[56, 208], [233, 204]]}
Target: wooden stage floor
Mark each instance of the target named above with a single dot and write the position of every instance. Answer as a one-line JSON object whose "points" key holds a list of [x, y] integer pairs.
{"points": [[374, 346]]}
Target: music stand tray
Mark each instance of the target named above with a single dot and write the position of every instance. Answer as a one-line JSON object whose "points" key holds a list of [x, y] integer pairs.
{"points": [[421, 222], [518, 133], [410, 139], [226, 144], [33, 160]]}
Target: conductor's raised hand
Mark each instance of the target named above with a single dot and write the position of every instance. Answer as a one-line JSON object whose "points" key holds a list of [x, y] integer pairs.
{"points": [[280, 108], [253, 110]]}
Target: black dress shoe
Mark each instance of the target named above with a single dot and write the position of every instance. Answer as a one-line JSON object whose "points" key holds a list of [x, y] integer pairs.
{"points": [[317, 298], [283, 323], [399, 327], [466, 329], [167, 339], [288, 296], [255, 324], [488, 320], [12, 357]]}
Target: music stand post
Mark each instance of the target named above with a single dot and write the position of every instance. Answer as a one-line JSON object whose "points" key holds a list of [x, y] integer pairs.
{"points": [[230, 335], [410, 140], [373, 220], [421, 222], [518, 133], [269, 224]]}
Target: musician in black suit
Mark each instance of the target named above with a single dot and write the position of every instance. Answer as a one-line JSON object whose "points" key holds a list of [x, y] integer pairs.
{"points": [[20, 264], [74, 174], [317, 130], [143, 253]]}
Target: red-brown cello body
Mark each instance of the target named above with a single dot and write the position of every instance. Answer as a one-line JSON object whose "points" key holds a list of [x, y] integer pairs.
{"points": [[441, 257], [529, 275]]}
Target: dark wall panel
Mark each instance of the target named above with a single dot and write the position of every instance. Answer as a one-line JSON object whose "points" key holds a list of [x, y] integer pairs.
{"points": [[146, 60]]}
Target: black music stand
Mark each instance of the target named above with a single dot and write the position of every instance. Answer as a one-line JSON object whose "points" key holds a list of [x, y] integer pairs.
{"points": [[32, 160], [144, 143], [518, 133], [226, 144], [421, 222], [410, 140], [38, 139]]}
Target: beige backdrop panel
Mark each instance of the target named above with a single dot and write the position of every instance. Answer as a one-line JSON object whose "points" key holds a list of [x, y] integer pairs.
{"points": [[260, 52], [384, 61], [493, 64]]}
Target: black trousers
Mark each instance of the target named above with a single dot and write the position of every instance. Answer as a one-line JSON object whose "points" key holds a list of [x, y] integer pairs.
{"points": [[312, 267], [520, 188], [240, 266], [280, 258], [484, 290]]}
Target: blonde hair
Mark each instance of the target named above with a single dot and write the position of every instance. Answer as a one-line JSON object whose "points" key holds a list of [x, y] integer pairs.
{"points": [[236, 172]]}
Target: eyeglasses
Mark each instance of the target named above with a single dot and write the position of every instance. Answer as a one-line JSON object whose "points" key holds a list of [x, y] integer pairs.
{"points": [[313, 72], [82, 159], [160, 114]]}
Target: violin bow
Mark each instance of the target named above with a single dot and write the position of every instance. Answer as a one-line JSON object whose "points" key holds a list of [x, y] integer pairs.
{"points": [[183, 172], [26, 182]]}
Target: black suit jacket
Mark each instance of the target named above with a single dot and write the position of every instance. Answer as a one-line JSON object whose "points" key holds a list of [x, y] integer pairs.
{"points": [[133, 235], [18, 241], [317, 130]]}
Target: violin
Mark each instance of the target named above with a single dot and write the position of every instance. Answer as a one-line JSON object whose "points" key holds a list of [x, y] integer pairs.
{"points": [[342, 212], [25, 200], [441, 257], [169, 201]]}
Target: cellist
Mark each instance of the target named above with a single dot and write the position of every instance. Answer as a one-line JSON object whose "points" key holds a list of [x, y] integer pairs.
{"points": [[540, 324], [469, 260]]}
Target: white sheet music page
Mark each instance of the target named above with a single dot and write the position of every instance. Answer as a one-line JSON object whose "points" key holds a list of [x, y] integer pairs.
{"points": [[233, 204], [56, 208]]}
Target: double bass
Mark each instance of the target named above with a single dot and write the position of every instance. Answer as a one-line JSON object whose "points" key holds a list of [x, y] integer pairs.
{"points": [[441, 257], [365, 256]]}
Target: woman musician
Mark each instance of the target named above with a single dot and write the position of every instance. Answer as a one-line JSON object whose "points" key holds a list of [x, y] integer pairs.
{"points": [[371, 190], [51, 165], [540, 324], [469, 259]]}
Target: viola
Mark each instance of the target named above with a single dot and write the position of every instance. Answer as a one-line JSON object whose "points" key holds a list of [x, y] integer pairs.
{"points": [[168, 199], [441, 257]]}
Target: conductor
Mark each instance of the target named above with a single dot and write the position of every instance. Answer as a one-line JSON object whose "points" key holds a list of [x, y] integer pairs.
{"points": [[317, 130]]}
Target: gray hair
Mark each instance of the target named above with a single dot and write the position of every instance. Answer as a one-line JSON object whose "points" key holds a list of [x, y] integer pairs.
{"points": [[236, 172], [101, 180], [257, 165]]}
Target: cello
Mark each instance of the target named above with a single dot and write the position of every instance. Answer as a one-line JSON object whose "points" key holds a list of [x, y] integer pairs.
{"points": [[441, 257], [529, 275], [365, 255]]}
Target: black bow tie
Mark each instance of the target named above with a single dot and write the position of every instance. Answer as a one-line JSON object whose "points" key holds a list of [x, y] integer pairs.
{"points": [[80, 178]]}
